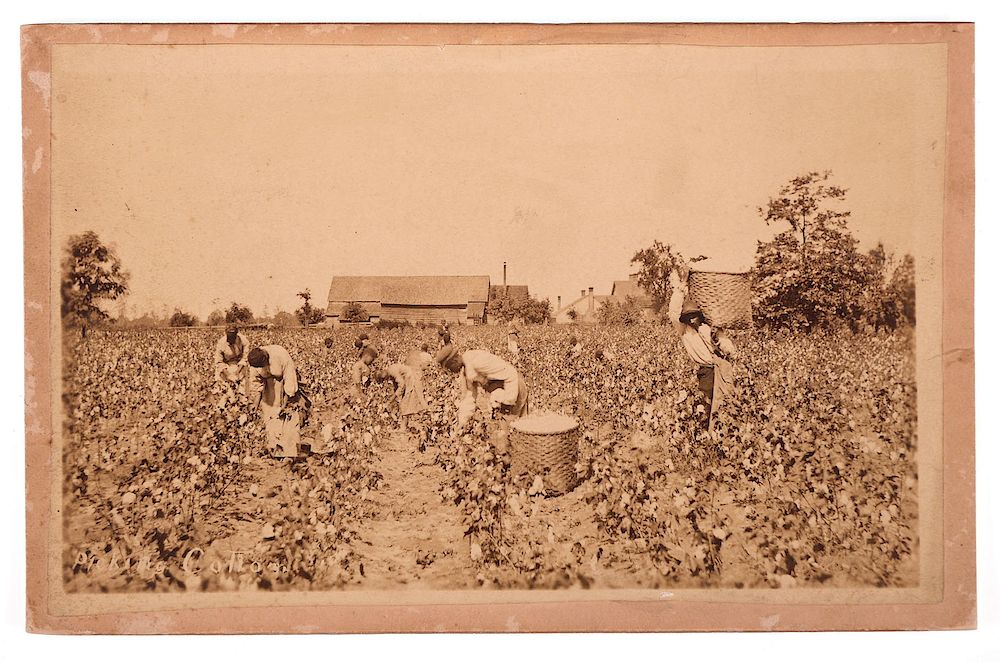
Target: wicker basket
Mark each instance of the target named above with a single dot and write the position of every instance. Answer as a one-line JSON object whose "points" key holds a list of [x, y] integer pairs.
{"points": [[724, 298], [546, 445]]}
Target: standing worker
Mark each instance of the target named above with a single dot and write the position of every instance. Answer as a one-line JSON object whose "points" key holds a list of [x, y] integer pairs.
{"points": [[230, 355], [513, 347], [710, 349], [283, 405], [230, 363], [478, 368], [444, 334]]}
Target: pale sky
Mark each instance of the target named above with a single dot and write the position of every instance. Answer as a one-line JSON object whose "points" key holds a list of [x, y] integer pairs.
{"points": [[246, 173]]}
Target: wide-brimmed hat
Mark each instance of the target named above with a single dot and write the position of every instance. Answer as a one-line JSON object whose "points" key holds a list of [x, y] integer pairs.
{"points": [[689, 310]]}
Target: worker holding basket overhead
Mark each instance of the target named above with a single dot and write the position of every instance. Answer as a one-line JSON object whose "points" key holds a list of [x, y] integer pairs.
{"points": [[705, 301]]}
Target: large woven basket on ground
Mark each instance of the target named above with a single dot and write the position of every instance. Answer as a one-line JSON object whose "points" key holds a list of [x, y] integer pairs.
{"points": [[724, 298], [546, 445]]}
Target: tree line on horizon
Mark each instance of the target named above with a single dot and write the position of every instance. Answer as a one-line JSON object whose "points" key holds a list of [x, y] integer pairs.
{"points": [[810, 275]]}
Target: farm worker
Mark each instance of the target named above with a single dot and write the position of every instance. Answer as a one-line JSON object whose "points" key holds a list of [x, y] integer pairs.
{"points": [[575, 347], [606, 355], [512, 346], [444, 335], [478, 368], [328, 343], [361, 342], [419, 358], [230, 356], [284, 406], [409, 391], [361, 371], [709, 349]]}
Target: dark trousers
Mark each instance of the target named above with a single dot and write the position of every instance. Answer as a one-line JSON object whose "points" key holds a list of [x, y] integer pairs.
{"points": [[706, 381]]}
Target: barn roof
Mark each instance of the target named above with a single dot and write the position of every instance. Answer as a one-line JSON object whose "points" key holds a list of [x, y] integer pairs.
{"points": [[513, 291], [411, 290]]}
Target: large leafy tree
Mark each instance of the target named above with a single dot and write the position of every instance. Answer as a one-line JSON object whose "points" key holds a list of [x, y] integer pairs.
{"points": [[354, 312], [655, 264], [238, 314], [802, 203], [92, 275], [181, 318], [810, 275], [529, 310], [216, 318], [890, 291], [307, 314], [627, 312]]}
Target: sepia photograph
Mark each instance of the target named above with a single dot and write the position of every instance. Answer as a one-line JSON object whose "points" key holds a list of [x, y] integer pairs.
{"points": [[477, 316]]}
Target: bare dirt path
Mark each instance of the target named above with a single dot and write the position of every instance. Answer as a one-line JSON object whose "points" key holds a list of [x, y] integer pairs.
{"points": [[414, 540]]}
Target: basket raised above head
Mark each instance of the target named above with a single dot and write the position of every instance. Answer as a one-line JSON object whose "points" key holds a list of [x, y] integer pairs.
{"points": [[724, 298]]}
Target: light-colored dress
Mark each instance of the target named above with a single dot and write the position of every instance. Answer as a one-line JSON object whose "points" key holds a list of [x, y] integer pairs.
{"points": [[360, 376], [706, 353], [418, 359], [230, 360], [504, 383], [276, 383], [409, 390]]}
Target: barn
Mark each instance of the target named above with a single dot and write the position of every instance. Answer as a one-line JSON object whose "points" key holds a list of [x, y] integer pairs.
{"points": [[414, 299]]}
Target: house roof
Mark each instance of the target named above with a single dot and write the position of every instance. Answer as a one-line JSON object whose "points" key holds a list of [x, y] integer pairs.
{"points": [[513, 291], [630, 288], [411, 290], [582, 303]]}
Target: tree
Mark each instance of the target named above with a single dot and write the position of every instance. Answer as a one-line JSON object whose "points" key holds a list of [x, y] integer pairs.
{"points": [[307, 314], [890, 291], [535, 311], [655, 264], [216, 318], [810, 275], [627, 312], [529, 310], [180, 318], [238, 314], [284, 319], [354, 312], [573, 314], [92, 275], [903, 288], [801, 203]]}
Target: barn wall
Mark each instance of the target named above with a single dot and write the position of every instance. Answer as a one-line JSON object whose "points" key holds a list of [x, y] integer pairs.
{"points": [[425, 314]]}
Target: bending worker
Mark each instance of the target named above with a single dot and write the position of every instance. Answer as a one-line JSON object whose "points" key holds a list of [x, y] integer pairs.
{"points": [[361, 372], [409, 391], [478, 368], [710, 349], [284, 407]]}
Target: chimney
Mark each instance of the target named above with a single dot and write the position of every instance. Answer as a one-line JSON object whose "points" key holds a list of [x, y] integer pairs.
{"points": [[558, 303], [583, 293], [505, 276], [590, 300]]}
